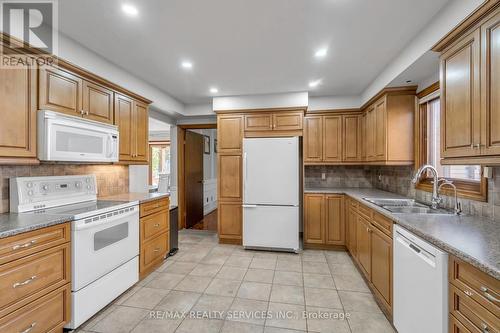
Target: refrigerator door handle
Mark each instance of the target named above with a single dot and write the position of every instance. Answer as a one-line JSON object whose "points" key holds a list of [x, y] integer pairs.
{"points": [[245, 172], [249, 206]]}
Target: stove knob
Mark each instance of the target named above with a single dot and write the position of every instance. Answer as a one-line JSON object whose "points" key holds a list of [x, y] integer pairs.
{"points": [[89, 187], [29, 185], [30, 192], [78, 184], [45, 187], [87, 180]]}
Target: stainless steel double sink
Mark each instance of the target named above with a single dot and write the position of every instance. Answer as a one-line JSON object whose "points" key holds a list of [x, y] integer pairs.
{"points": [[406, 206]]}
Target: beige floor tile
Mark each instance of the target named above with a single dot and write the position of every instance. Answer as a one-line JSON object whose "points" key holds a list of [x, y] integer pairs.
{"points": [[294, 319], [318, 281], [238, 327], [288, 278], [165, 281], [314, 256], [259, 275], [196, 284], [150, 325], [350, 283], [315, 267], [338, 257], [97, 317], [325, 298], [146, 298], [123, 297], [148, 279], [215, 259], [223, 249], [165, 265], [206, 270], [122, 319], [289, 265], [269, 329], [326, 320], [358, 302], [240, 251], [200, 326], [213, 303], [344, 269], [231, 273], [254, 290], [238, 261], [222, 287], [248, 311], [178, 301], [287, 294], [195, 257], [263, 263], [369, 322], [266, 255]]}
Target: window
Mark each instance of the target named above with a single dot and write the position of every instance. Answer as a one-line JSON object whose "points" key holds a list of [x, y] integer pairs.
{"points": [[159, 161], [467, 178]]}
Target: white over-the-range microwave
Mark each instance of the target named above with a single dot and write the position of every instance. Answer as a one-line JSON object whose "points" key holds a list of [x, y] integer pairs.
{"points": [[64, 138]]}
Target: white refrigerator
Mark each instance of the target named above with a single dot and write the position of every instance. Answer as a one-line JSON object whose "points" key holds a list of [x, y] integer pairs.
{"points": [[271, 195]]}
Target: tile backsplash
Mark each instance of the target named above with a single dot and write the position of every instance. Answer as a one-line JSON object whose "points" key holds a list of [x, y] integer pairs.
{"points": [[111, 179], [398, 180]]}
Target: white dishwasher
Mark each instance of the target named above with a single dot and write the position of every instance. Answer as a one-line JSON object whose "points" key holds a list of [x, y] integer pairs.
{"points": [[420, 285]]}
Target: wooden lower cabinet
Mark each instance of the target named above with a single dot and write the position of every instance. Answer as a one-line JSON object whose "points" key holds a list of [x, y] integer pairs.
{"points": [[230, 222], [352, 220], [324, 223], [35, 280], [455, 326], [153, 234], [363, 245], [381, 266]]}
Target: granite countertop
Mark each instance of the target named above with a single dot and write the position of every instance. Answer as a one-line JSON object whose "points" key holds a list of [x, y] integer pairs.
{"points": [[475, 240], [12, 223], [136, 196]]}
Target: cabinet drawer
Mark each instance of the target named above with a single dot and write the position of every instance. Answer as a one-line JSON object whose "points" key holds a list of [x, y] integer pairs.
{"points": [[26, 279], [27, 243], [287, 121], [475, 317], [365, 211], [153, 224], [153, 251], [47, 314], [151, 207], [456, 326], [481, 287], [382, 223]]}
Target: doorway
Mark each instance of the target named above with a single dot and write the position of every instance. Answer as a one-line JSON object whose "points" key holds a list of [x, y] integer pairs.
{"points": [[197, 176]]}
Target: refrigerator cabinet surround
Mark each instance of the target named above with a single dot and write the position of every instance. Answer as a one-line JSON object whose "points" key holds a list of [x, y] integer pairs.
{"points": [[271, 177]]}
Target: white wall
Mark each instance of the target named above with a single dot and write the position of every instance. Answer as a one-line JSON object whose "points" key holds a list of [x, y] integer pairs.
{"points": [[333, 102], [296, 99]]}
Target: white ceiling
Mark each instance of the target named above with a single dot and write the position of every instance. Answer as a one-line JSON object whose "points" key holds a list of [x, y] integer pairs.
{"points": [[249, 46]]}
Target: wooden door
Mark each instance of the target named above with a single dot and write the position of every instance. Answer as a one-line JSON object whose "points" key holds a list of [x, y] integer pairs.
{"points": [[334, 220], [313, 139], [460, 100], [352, 226], [259, 122], [18, 112], [370, 133], [380, 125], [381, 263], [230, 177], [124, 120], [351, 138], [363, 245], [230, 133], [287, 121], [193, 152], [332, 138], [97, 102], [490, 86], [230, 217], [60, 91], [314, 224], [141, 132]]}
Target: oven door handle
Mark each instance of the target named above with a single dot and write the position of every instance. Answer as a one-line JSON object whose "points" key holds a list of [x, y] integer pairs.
{"points": [[108, 221]]}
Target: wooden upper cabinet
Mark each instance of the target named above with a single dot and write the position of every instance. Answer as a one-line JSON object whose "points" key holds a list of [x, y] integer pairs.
{"points": [[460, 99], [351, 151], [124, 119], [60, 91], [141, 132], [313, 139], [259, 122], [18, 113], [335, 224], [314, 219], [490, 83], [332, 138], [98, 102], [230, 133], [380, 130], [288, 121], [362, 140], [230, 177], [370, 133]]}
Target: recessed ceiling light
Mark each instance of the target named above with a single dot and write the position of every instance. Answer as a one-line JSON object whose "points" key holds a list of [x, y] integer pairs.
{"points": [[130, 10], [187, 64], [320, 53], [214, 90], [315, 83]]}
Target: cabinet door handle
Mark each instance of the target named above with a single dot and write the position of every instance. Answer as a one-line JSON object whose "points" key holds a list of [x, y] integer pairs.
{"points": [[20, 284], [156, 225], [468, 293], [21, 246], [156, 250], [33, 324], [86, 113], [485, 328], [489, 296]]}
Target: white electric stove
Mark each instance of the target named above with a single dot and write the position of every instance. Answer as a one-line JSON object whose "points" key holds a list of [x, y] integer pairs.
{"points": [[104, 237]]}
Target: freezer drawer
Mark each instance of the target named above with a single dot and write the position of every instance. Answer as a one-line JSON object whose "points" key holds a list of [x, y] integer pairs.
{"points": [[274, 227]]}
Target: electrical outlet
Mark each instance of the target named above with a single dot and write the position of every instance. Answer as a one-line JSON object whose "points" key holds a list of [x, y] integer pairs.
{"points": [[323, 176], [379, 177]]}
